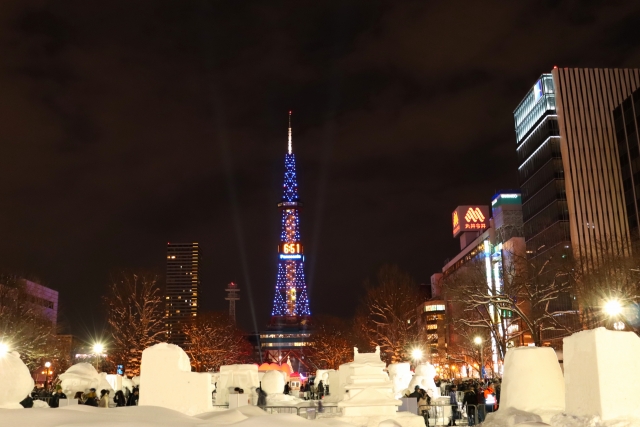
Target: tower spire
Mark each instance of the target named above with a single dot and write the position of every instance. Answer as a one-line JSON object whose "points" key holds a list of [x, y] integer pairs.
{"points": [[290, 143]]}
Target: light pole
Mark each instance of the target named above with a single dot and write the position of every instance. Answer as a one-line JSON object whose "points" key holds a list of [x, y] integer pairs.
{"points": [[47, 372], [479, 342], [97, 350]]}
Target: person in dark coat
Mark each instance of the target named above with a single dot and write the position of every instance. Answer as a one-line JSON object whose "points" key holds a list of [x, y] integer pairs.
{"points": [[481, 404], [453, 400], [133, 398], [287, 388], [262, 397], [91, 398], [119, 399], [416, 393], [471, 400], [54, 402], [320, 389]]}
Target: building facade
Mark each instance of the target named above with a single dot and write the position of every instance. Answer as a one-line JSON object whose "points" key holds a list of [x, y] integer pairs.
{"points": [[569, 167], [491, 240], [625, 118], [182, 288]]}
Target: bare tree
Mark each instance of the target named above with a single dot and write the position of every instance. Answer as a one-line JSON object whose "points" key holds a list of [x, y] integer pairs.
{"points": [[526, 302], [24, 326], [135, 313], [332, 343], [214, 340], [388, 314], [612, 277]]}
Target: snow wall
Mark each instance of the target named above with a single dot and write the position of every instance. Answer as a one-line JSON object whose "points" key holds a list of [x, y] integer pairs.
{"points": [[15, 381], [166, 380], [601, 372]]}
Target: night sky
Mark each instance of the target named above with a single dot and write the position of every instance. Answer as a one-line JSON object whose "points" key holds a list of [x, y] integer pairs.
{"points": [[126, 125]]}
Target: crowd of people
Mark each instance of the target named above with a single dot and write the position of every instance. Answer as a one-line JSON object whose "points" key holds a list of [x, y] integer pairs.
{"points": [[475, 397], [89, 398]]}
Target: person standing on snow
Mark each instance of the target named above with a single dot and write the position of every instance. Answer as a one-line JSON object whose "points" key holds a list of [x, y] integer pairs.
{"points": [[119, 399], [104, 399], [133, 398], [453, 401], [287, 388], [55, 398]]}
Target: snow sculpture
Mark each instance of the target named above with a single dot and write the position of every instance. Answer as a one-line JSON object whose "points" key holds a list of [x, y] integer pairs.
{"points": [[115, 381], [424, 376], [136, 380], [81, 377], [400, 375], [231, 376], [15, 381], [368, 388], [601, 372], [166, 380], [532, 386], [273, 382]]}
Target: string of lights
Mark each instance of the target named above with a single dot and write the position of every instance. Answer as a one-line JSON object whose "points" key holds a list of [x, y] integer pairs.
{"points": [[291, 289]]}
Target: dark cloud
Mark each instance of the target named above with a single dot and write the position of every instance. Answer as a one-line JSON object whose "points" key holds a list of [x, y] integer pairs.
{"points": [[129, 124]]}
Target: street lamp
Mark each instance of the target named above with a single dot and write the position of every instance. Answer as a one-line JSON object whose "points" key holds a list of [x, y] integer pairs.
{"points": [[416, 355], [612, 307], [47, 372], [479, 342], [97, 350]]}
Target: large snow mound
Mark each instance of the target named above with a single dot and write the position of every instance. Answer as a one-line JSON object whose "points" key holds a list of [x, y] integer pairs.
{"points": [[166, 380], [533, 382], [15, 380], [602, 370], [273, 382], [82, 377]]}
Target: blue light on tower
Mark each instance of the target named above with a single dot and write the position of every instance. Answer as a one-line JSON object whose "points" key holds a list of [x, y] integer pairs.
{"points": [[290, 299]]}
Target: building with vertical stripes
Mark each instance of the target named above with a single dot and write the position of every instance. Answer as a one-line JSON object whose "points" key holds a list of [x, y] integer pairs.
{"points": [[625, 118], [183, 283], [569, 167]]}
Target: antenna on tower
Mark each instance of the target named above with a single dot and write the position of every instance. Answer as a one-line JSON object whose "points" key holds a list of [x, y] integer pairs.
{"points": [[290, 143], [232, 297]]}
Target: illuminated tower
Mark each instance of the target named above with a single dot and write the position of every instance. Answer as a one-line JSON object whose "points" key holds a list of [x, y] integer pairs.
{"points": [[290, 304]]}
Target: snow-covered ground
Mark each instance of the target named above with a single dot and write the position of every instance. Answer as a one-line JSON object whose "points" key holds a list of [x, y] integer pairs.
{"points": [[153, 416]]}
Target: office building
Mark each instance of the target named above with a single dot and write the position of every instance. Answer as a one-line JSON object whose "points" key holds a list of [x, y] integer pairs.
{"points": [[570, 177], [625, 118], [183, 284], [490, 239]]}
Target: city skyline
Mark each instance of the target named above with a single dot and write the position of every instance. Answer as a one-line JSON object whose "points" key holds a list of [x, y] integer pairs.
{"points": [[122, 135]]}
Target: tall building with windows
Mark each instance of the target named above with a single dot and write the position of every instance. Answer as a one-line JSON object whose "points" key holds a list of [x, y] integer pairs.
{"points": [[569, 169], [183, 284], [626, 117]]}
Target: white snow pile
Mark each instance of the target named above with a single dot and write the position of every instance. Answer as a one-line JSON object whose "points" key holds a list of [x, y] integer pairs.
{"points": [[273, 382], [15, 381], [82, 377], [601, 373], [400, 374], [150, 416], [166, 380], [425, 373]]}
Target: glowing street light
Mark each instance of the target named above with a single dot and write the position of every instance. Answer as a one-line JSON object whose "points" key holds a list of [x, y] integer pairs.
{"points": [[47, 372], [479, 342], [613, 307], [416, 354], [4, 349], [97, 350]]}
